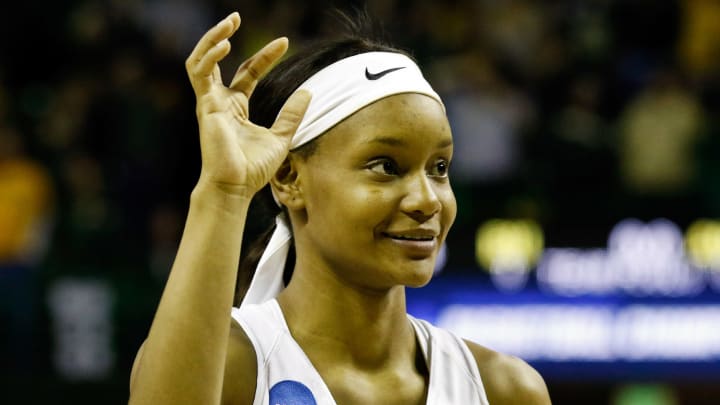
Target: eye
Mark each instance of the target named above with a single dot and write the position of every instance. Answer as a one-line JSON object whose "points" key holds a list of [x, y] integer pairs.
{"points": [[440, 168], [384, 166]]}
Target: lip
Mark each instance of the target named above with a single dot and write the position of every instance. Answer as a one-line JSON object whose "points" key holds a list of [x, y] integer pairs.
{"points": [[418, 243], [416, 233]]}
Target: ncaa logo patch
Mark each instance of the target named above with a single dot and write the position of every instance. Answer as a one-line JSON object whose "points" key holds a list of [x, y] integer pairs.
{"points": [[290, 392]]}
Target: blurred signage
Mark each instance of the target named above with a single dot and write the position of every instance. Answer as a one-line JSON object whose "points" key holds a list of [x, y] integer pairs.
{"points": [[592, 332], [508, 249], [82, 328], [641, 259], [646, 305]]}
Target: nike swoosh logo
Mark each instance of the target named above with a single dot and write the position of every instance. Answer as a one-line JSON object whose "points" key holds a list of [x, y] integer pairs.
{"points": [[375, 76]]}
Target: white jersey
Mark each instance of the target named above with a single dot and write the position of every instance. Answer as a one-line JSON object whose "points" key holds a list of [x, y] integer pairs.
{"points": [[285, 375]]}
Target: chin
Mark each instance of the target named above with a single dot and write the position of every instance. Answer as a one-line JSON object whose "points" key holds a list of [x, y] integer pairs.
{"points": [[418, 277], [420, 284]]}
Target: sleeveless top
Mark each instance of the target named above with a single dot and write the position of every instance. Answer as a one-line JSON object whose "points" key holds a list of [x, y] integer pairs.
{"points": [[285, 375]]}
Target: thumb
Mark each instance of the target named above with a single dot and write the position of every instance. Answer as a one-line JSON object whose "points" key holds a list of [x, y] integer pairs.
{"points": [[291, 114]]}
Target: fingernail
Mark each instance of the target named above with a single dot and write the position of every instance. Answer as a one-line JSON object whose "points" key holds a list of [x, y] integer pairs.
{"points": [[229, 17]]}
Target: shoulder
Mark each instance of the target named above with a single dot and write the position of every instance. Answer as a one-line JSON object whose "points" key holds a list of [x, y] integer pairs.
{"points": [[508, 379], [240, 379]]}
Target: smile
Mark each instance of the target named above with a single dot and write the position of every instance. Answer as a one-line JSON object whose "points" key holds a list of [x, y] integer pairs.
{"points": [[417, 244], [421, 238]]}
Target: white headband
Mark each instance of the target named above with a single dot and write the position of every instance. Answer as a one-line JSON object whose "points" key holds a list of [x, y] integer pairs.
{"points": [[338, 91]]}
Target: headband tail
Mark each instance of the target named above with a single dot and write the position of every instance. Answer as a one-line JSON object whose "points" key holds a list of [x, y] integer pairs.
{"points": [[268, 279]]}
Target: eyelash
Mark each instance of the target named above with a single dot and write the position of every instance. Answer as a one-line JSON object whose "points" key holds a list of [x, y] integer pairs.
{"points": [[445, 168], [388, 167]]}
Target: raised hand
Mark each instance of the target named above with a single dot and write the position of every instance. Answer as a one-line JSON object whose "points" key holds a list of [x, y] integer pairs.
{"points": [[238, 156]]}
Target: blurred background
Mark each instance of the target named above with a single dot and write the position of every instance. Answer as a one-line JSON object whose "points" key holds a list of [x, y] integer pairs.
{"points": [[586, 171]]}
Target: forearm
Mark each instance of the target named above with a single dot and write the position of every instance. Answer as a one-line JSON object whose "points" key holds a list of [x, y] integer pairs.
{"points": [[184, 355]]}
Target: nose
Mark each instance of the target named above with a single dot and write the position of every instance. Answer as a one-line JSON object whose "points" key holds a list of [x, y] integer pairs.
{"points": [[421, 201]]}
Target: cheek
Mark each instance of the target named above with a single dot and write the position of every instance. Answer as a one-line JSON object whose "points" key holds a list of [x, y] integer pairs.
{"points": [[357, 206], [368, 208], [449, 207], [367, 202]]}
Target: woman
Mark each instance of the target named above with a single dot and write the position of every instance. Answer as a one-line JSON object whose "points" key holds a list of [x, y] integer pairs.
{"points": [[368, 205]]}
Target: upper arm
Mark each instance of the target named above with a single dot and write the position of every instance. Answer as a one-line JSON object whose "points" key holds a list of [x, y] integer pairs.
{"points": [[136, 365], [240, 379], [508, 379]]}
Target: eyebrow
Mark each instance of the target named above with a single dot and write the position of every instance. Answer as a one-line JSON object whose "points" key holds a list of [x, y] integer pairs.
{"points": [[385, 140]]}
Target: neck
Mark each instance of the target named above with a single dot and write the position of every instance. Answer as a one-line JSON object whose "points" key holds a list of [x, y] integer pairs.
{"points": [[366, 328]]}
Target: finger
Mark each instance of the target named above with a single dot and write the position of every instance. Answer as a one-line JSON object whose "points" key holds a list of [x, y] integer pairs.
{"points": [[207, 72], [222, 30], [209, 61], [248, 74], [291, 114], [213, 46]]}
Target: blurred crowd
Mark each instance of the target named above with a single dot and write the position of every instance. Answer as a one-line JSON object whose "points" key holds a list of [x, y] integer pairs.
{"points": [[575, 113]]}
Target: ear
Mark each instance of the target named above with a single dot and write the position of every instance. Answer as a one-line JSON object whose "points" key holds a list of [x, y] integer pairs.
{"points": [[285, 184]]}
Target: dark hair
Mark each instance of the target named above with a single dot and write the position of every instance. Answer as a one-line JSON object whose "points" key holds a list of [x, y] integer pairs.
{"points": [[360, 36]]}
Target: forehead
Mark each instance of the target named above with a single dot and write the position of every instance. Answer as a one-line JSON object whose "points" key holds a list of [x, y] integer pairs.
{"points": [[407, 119]]}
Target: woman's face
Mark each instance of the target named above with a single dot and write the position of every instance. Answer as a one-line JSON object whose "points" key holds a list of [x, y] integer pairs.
{"points": [[377, 201]]}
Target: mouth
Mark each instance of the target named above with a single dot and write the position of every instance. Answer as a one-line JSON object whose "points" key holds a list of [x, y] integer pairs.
{"points": [[417, 244], [415, 238]]}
